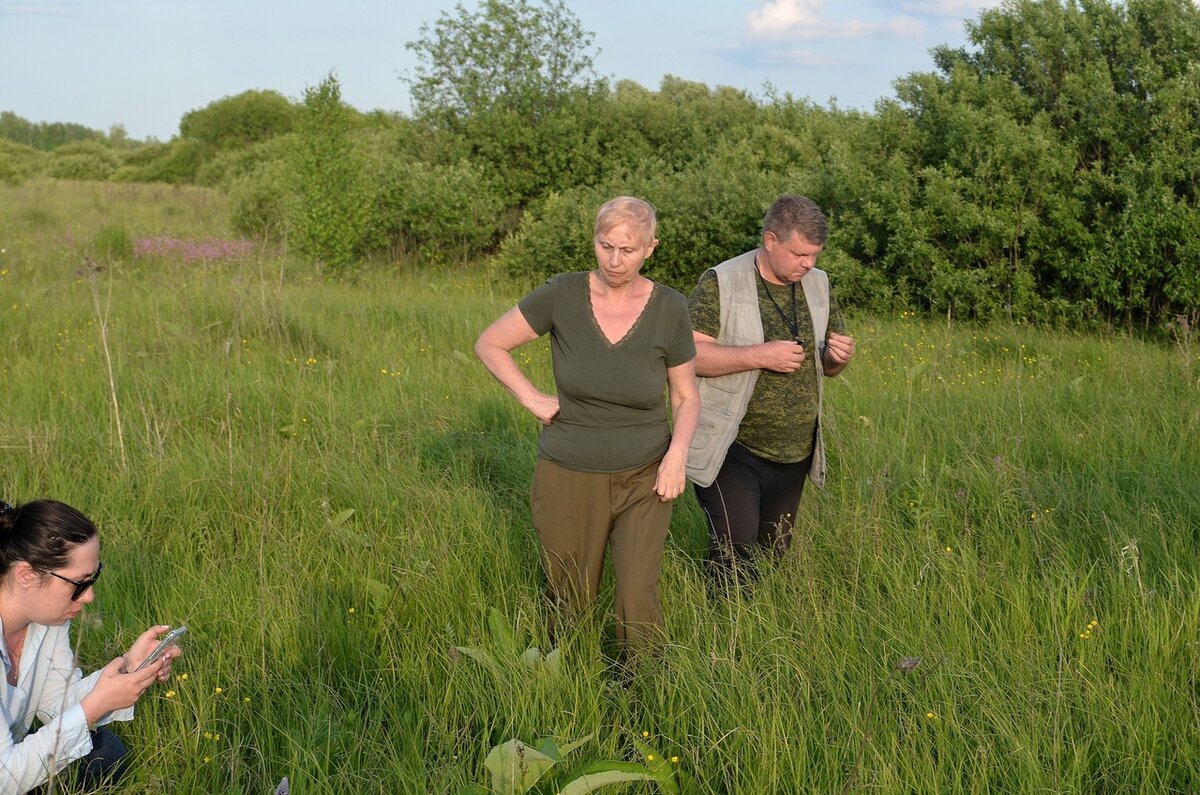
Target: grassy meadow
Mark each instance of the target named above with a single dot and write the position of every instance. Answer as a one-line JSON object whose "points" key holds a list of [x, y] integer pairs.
{"points": [[996, 592]]}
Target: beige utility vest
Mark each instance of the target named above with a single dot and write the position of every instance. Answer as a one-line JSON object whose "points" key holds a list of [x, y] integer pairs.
{"points": [[723, 399]]}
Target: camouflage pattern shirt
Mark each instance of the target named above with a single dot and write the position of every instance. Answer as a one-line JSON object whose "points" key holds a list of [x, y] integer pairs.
{"points": [[782, 416]]}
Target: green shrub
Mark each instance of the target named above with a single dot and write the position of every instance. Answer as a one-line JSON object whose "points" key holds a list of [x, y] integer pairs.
{"points": [[706, 214], [856, 284], [442, 213], [239, 121], [19, 162], [232, 165], [260, 201], [709, 213], [332, 186], [555, 236], [176, 163], [113, 242], [83, 160]]}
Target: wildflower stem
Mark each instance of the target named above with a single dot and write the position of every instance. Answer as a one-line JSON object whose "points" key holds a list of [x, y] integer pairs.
{"points": [[102, 324]]}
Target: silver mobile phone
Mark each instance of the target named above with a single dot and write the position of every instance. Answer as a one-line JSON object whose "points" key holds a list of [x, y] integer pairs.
{"points": [[171, 639]]}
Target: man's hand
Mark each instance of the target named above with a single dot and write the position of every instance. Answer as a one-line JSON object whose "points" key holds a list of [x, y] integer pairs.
{"points": [[839, 349], [781, 356]]}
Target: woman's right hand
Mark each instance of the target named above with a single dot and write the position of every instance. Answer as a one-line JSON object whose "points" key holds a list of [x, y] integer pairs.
{"points": [[118, 688], [542, 406], [494, 348]]}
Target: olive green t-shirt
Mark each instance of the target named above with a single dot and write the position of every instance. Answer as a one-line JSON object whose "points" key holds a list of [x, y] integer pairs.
{"points": [[612, 408], [782, 415]]}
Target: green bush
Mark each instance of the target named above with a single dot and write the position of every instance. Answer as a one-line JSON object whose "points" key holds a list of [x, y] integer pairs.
{"points": [[239, 121], [232, 165], [709, 213], [555, 236], [334, 190], [260, 201], [19, 162], [113, 242], [706, 214], [855, 284], [442, 213], [176, 163], [83, 160]]}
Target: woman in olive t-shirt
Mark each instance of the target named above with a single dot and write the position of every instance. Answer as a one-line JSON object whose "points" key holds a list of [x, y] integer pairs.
{"points": [[609, 459]]}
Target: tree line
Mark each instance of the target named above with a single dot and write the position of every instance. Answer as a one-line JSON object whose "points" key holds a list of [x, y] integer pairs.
{"points": [[1046, 172]]}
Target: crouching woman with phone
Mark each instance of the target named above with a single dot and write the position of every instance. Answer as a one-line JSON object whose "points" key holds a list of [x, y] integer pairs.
{"points": [[49, 563]]}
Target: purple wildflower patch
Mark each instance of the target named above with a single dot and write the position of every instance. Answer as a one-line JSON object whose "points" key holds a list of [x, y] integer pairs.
{"points": [[192, 251]]}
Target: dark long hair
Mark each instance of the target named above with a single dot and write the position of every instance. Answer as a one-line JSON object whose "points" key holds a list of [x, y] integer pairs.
{"points": [[42, 533]]}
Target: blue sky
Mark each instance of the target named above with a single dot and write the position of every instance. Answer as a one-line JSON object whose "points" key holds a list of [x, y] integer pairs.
{"points": [[144, 63]]}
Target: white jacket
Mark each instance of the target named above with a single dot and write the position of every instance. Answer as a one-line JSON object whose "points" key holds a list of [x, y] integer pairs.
{"points": [[50, 687]]}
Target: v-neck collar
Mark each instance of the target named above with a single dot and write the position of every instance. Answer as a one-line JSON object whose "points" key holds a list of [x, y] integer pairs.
{"points": [[587, 286]]}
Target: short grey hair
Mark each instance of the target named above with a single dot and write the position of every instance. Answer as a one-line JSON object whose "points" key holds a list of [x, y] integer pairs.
{"points": [[627, 210], [791, 213]]}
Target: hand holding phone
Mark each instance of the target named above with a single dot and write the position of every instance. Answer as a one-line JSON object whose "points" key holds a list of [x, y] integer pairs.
{"points": [[169, 640]]}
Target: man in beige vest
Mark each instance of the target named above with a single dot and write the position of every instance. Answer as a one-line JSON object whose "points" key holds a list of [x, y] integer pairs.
{"points": [[759, 435]]}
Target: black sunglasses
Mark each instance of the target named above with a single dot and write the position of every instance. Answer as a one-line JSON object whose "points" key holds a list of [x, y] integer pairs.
{"points": [[81, 586]]}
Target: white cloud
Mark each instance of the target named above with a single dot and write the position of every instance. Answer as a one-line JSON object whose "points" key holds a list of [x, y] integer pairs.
{"points": [[951, 8], [784, 15], [802, 19], [802, 58], [805, 19], [906, 26]]}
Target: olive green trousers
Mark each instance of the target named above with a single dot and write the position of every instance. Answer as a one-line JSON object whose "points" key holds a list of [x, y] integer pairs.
{"points": [[580, 514]]}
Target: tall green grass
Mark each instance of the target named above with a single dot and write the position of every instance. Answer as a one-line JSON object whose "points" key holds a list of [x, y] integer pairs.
{"points": [[996, 591]]}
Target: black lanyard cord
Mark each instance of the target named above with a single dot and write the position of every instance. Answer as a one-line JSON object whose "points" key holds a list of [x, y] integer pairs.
{"points": [[794, 323]]}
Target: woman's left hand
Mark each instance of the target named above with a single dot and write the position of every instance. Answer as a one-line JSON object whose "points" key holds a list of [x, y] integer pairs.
{"points": [[671, 478], [685, 412]]}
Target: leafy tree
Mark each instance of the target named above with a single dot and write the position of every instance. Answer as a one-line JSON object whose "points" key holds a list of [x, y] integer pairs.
{"points": [[118, 138], [227, 167], [262, 201], [507, 55], [511, 85], [45, 136], [675, 126], [239, 121], [1115, 81], [333, 190], [1047, 171]]}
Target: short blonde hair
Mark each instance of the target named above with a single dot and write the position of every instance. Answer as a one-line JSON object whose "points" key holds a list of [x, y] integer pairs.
{"points": [[627, 210]]}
